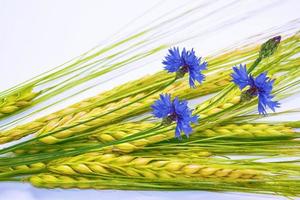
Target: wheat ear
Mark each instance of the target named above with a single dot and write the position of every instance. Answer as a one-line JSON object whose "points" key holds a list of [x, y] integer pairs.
{"points": [[52, 180], [121, 130], [22, 169], [113, 133], [148, 167], [16, 101], [254, 130]]}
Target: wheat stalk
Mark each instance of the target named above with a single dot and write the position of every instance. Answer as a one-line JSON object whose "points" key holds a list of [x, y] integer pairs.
{"points": [[51, 180], [255, 130], [119, 131], [41, 148], [148, 167], [38, 167]]}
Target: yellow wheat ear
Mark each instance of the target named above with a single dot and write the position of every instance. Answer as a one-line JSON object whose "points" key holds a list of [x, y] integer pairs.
{"points": [[16, 101], [148, 167]]}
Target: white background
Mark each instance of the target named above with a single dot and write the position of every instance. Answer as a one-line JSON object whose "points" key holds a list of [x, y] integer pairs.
{"points": [[36, 36]]}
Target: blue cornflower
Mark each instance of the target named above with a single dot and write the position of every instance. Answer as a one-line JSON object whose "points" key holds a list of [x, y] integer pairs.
{"points": [[260, 86], [186, 62], [175, 110]]}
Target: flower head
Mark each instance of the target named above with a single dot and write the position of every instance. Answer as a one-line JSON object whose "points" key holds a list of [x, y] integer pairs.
{"points": [[260, 86], [175, 110], [185, 62]]}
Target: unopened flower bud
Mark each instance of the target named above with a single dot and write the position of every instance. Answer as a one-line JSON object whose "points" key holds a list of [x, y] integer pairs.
{"points": [[269, 47]]}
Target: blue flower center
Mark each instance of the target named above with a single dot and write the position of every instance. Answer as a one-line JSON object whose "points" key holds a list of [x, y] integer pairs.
{"points": [[184, 69], [170, 118], [253, 91], [173, 116], [249, 94]]}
